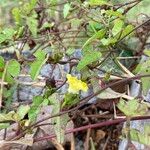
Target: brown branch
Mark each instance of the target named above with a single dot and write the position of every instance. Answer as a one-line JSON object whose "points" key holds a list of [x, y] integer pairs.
{"points": [[91, 126]]}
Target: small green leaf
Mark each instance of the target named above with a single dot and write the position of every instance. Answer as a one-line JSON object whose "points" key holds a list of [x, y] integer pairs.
{"points": [[108, 41], [37, 100], [70, 51], [98, 2], [2, 64], [141, 137], [92, 144], [98, 35], [147, 52], [2, 38], [66, 10], [46, 25], [127, 30], [35, 108], [13, 68], [118, 24], [88, 59], [7, 34], [33, 3], [70, 99], [45, 102], [4, 125], [7, 117], [22, 111], [145, 69], [32, 24], [60, 121], [38, 63], [114, 13], [33, 112], [16, 14], [132, 107], [9, 78], [75, 23]]}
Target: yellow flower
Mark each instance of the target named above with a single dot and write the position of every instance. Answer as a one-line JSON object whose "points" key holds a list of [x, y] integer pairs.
{"points": [[76, 85]]}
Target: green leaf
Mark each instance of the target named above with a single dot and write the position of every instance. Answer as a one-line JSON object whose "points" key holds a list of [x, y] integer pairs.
{"points": [[22, 111], [7, 117], [37, 100], [147, 52], [33, 112], [38, 63], [16, 14], [75, 23], [4, 125], [33, 3], [141, 137], [88, 59], [127, 30], [45, 102], [60, 121], [53, 2], [32, 24], [145, 69], [98, 35], [46, 25], [13, 68], [70, 99], [2, 38], [2, 64], [70, 51], [108, 41], [9, 78], [35, 108], [118, 24], [7, 34], [98, 2], [132, 107], [114, 13], [66, 10], [92, 144]]}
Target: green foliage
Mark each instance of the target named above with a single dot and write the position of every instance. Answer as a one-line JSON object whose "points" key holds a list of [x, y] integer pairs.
{"points": [[98, 2], [22, 111], [51, 31], [41, 59], [98, 35], [6, 34], [32, 24], [127, 31], [144, 68], [35, 108], [60, 122], [141, 137], [66, 10], [13, 68], [132, 107], [70, 99], [118, 24], [147, 52], [17, 15], [88, 59]]}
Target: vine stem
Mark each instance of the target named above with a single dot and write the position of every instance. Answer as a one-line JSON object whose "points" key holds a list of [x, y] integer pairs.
{"points": [[83, 102], [91, 126]]}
